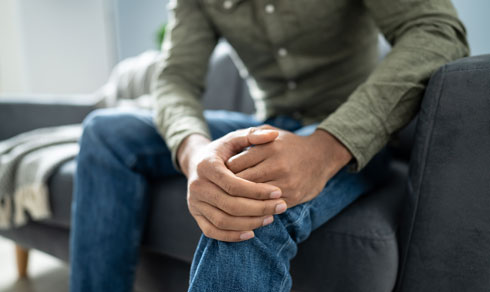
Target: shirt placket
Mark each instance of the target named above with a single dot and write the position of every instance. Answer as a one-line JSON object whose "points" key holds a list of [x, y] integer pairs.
{"points": [[277, 33]]}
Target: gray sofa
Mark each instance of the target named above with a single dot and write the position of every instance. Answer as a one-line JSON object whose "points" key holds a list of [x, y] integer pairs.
{"points": [[401, 235]]}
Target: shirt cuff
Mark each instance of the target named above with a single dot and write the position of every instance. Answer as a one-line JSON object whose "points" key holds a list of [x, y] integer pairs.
{"points": [[360, 132], [176, 133]]}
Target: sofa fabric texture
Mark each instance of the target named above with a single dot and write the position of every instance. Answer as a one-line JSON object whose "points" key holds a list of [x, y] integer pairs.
{"points": [[446, 224]]}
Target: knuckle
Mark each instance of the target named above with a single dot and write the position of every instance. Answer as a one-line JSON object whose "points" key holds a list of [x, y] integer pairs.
{"points": [[251, 130], [193, 186], [275, 146], [278, 170], [201, 167], [232, 209], [264, 209], [228, 136], [288, 186], [229, 188], [281, 166], [190, 201], [232, 135], [207, 231], [227, 144], [296, 195], [255, 224], [223, 205], [247, 175], [214, 163], [216, 199], [254, 175], [220, 221]]}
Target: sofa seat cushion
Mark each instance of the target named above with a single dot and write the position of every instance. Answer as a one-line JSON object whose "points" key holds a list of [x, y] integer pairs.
{"points": [[357, 249], [60, 186]]}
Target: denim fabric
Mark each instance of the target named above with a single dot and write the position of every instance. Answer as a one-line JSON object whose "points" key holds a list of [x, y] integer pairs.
{"points": [[262, 263], [119, 151]]}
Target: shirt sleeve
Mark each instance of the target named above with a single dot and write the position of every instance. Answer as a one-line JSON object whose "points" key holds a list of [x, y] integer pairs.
{"points": [[424, 34], [180, 75]]}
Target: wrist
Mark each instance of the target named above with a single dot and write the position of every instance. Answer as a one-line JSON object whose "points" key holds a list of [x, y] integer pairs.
{"points": [[188, 149], [332, 153]]}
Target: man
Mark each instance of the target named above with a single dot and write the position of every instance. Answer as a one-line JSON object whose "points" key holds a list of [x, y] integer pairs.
{"points": [[257, 191]]}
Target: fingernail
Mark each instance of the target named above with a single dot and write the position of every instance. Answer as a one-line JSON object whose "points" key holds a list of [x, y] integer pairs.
{"points": [[281, 208], [246, 235], [262, 132], [268, 221], [276, 194]]}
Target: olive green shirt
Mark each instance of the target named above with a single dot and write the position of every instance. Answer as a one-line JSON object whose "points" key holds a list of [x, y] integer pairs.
{"points": [[315, 60]]}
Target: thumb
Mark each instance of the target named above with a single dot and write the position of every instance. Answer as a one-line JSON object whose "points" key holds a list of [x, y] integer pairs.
{"points": [[261, 136], [239, 140]]}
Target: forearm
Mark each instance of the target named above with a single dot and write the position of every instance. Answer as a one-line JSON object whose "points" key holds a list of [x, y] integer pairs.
{"points": [[187, 149], [329, 150], [178, 115], [425, 36], [180, 75]]}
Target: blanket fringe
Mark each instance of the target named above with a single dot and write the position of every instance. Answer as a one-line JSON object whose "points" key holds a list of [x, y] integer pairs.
{"points": [[33, 199], [5, 212]]}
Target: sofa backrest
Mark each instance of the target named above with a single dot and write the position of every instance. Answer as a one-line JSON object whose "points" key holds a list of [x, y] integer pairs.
{"points": [[225, 88]]}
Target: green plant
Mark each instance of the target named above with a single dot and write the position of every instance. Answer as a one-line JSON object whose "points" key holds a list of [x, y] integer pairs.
{"points": [[160, 35]]}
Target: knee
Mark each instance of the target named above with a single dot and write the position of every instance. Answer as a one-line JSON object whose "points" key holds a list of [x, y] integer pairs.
{"points": [[99, 123], [107, 126]]}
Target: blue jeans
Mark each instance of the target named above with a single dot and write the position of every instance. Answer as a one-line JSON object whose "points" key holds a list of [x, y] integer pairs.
{"points": [[121, 150]]}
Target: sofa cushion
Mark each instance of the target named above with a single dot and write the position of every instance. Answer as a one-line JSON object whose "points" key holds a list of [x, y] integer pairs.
{"points": [[361, 239], [358, 249]]}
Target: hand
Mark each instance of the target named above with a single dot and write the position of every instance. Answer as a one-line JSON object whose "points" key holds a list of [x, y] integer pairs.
{"points": [[299, 165], [226, 207]]}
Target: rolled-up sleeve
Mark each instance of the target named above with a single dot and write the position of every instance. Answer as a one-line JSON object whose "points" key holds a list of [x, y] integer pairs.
{"points": [[180, 75], [424, 34]]}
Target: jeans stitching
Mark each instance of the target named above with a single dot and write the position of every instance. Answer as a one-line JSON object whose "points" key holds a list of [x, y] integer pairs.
{"points": [[301, 216], [281, 287]]}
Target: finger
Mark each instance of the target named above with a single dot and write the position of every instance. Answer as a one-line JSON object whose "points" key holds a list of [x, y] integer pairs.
{"points": [[267, 127], [261, 136], [238, 140], [223, 235], [238, 206], [217, 173], [248, 158], [262, 172], [224, 221]]}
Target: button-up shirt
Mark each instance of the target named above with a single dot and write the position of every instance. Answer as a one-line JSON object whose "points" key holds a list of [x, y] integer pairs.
{"points": [[312, 59]]}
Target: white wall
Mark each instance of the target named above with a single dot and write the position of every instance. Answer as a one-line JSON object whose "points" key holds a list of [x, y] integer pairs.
{"points": [[474, 14], [11, 61], [64, 46], [136, 25], [70, 46]]}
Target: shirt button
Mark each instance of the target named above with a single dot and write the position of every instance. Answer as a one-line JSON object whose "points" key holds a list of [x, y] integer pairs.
{"points": [[282, 52], [227, 4], [292, 85], [269, 8]]}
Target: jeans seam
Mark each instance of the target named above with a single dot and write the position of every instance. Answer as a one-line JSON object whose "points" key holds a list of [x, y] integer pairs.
{"points": [[301, 215], [281, 287]]}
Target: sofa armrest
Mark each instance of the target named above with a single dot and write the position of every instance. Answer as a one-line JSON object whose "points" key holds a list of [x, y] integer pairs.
{"points": [[445, 227], [23, 113]]}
